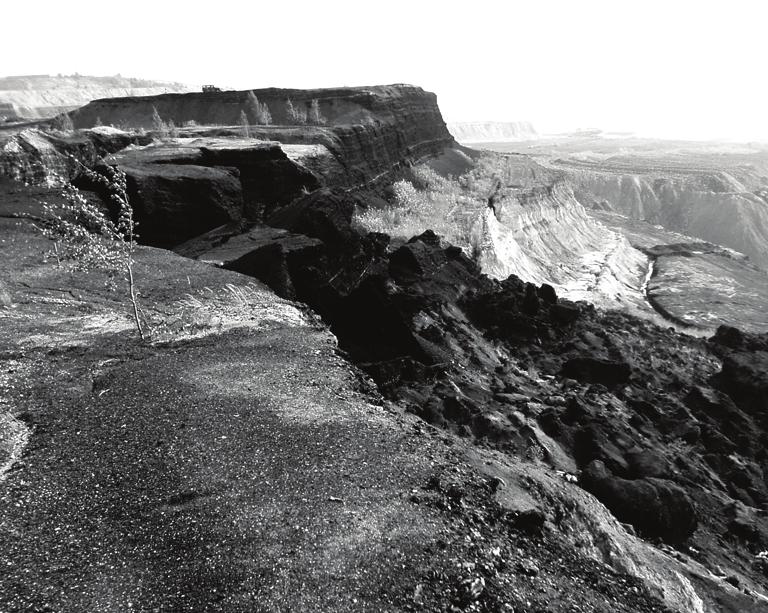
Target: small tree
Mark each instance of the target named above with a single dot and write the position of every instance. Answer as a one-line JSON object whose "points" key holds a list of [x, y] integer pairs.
{"points": [[158, 125], [258, 111], [245, 128], [87, 235], [63, 123], [315, 117], [295, 114]]}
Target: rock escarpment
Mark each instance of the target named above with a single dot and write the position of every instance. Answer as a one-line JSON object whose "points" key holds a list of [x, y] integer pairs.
{"points": [[726, 206], [369, 130], [544, 235]]}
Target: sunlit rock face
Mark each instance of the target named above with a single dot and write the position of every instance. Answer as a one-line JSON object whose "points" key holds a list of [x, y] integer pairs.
{"points": [[33, 156], [544, 235], [41, 96], [727, 207], [492, 131]]}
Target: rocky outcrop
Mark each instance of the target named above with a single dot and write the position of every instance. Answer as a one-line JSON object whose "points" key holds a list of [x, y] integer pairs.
{"points": [[218, 180], [172, 203], [657, 508], [492, 131]]}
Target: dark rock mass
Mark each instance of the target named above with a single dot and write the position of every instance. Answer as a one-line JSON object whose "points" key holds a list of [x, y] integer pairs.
{"points": [[173, 203], [655, 507]]}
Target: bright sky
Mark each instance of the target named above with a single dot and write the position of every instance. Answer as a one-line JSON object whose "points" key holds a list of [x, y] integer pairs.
{"points": [[670, 68]]}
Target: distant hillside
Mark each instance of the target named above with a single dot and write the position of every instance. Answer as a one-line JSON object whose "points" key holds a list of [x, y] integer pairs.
{"points": [[491, 131], [42, 96]]}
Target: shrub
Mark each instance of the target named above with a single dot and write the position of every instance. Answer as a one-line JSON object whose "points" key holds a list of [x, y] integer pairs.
{"points": [[427, 201], [86, 234], [63, 123]]}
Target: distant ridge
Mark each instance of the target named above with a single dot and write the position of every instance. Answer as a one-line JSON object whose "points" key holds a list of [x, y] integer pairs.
{"points": [[43, 96], [492, 131]]}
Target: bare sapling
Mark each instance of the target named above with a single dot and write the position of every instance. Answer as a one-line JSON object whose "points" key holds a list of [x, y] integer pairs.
{"points": [[91, 237]]}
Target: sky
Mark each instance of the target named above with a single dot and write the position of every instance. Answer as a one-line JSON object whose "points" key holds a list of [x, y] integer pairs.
{"points": [[671, 68]]}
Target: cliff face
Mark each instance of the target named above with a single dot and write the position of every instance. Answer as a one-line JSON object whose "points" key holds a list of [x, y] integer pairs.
{"points": [[33, 156], [728, 207], [370, 130], [41, 96], [492, 131], [545, 236]]}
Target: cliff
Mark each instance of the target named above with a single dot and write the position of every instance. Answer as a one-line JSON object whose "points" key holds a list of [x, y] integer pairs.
{"points": [[544, 235], [726, 204], [42, 96], [492, 131], [370, 130]]}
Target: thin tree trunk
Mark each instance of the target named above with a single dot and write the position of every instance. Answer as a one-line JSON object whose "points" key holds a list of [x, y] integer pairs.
{"points": [[134, 301]]}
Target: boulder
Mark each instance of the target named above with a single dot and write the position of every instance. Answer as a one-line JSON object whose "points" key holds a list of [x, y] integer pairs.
{"points": [[744, 377], [656, 508]]}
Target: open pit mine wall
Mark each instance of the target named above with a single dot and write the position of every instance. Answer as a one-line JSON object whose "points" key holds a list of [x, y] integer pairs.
{"points": [[43, 96], [370, 130], [492, 131], [719, 207], [545, 235]]}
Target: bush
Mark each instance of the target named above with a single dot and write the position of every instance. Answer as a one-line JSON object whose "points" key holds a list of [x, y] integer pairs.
{"points": [[427, 201], [63, 123]]}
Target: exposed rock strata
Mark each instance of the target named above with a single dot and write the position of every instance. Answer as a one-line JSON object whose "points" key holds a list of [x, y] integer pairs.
{"points": [[35, 96], [492, 131], [727, 207], [32, 156], [371, 131]]}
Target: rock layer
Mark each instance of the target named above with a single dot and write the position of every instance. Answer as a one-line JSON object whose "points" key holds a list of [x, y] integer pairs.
{"points": [[370, 130], [727, 206]]}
